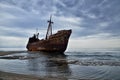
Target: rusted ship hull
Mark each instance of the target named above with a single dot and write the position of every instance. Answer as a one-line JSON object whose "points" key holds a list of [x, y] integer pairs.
{"points": [[56, 43]]}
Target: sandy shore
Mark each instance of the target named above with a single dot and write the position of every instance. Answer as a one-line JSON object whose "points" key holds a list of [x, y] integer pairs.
{"points": [[2, 53], [14, 76]]}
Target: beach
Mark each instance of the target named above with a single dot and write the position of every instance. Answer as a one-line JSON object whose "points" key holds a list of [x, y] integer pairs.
{"points": [[2, 53], [84, 65], [14, 76]]}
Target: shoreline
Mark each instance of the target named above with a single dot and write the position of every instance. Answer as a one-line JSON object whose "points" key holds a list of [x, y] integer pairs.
{"points": [[2, 53], [14, 76]]}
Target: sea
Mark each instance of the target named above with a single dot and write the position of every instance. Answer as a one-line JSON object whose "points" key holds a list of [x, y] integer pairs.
{"points": [[85, 64]]}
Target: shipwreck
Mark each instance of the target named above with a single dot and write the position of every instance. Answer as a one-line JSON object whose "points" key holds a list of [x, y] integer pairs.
{"points": [[52, 43]]}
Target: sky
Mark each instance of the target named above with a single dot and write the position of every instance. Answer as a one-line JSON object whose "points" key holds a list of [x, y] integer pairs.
{"points": [[94, 23]]}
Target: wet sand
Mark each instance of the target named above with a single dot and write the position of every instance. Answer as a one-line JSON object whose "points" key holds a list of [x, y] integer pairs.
{"points": [[2, 53], [14, 76], [71, 66]]}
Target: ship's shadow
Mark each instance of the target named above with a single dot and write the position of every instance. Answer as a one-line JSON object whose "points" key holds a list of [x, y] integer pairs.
{"points": [[50, 63]]}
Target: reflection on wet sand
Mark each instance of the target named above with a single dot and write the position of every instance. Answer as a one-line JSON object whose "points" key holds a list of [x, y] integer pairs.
{"points": [[71, 66], [49, 64]]}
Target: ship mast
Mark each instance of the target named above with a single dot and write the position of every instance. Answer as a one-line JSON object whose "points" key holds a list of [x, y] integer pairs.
{"points": [[49, 30]]}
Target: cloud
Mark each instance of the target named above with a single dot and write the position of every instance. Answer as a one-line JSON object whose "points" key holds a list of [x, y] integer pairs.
{"points": [[87, 18]]}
